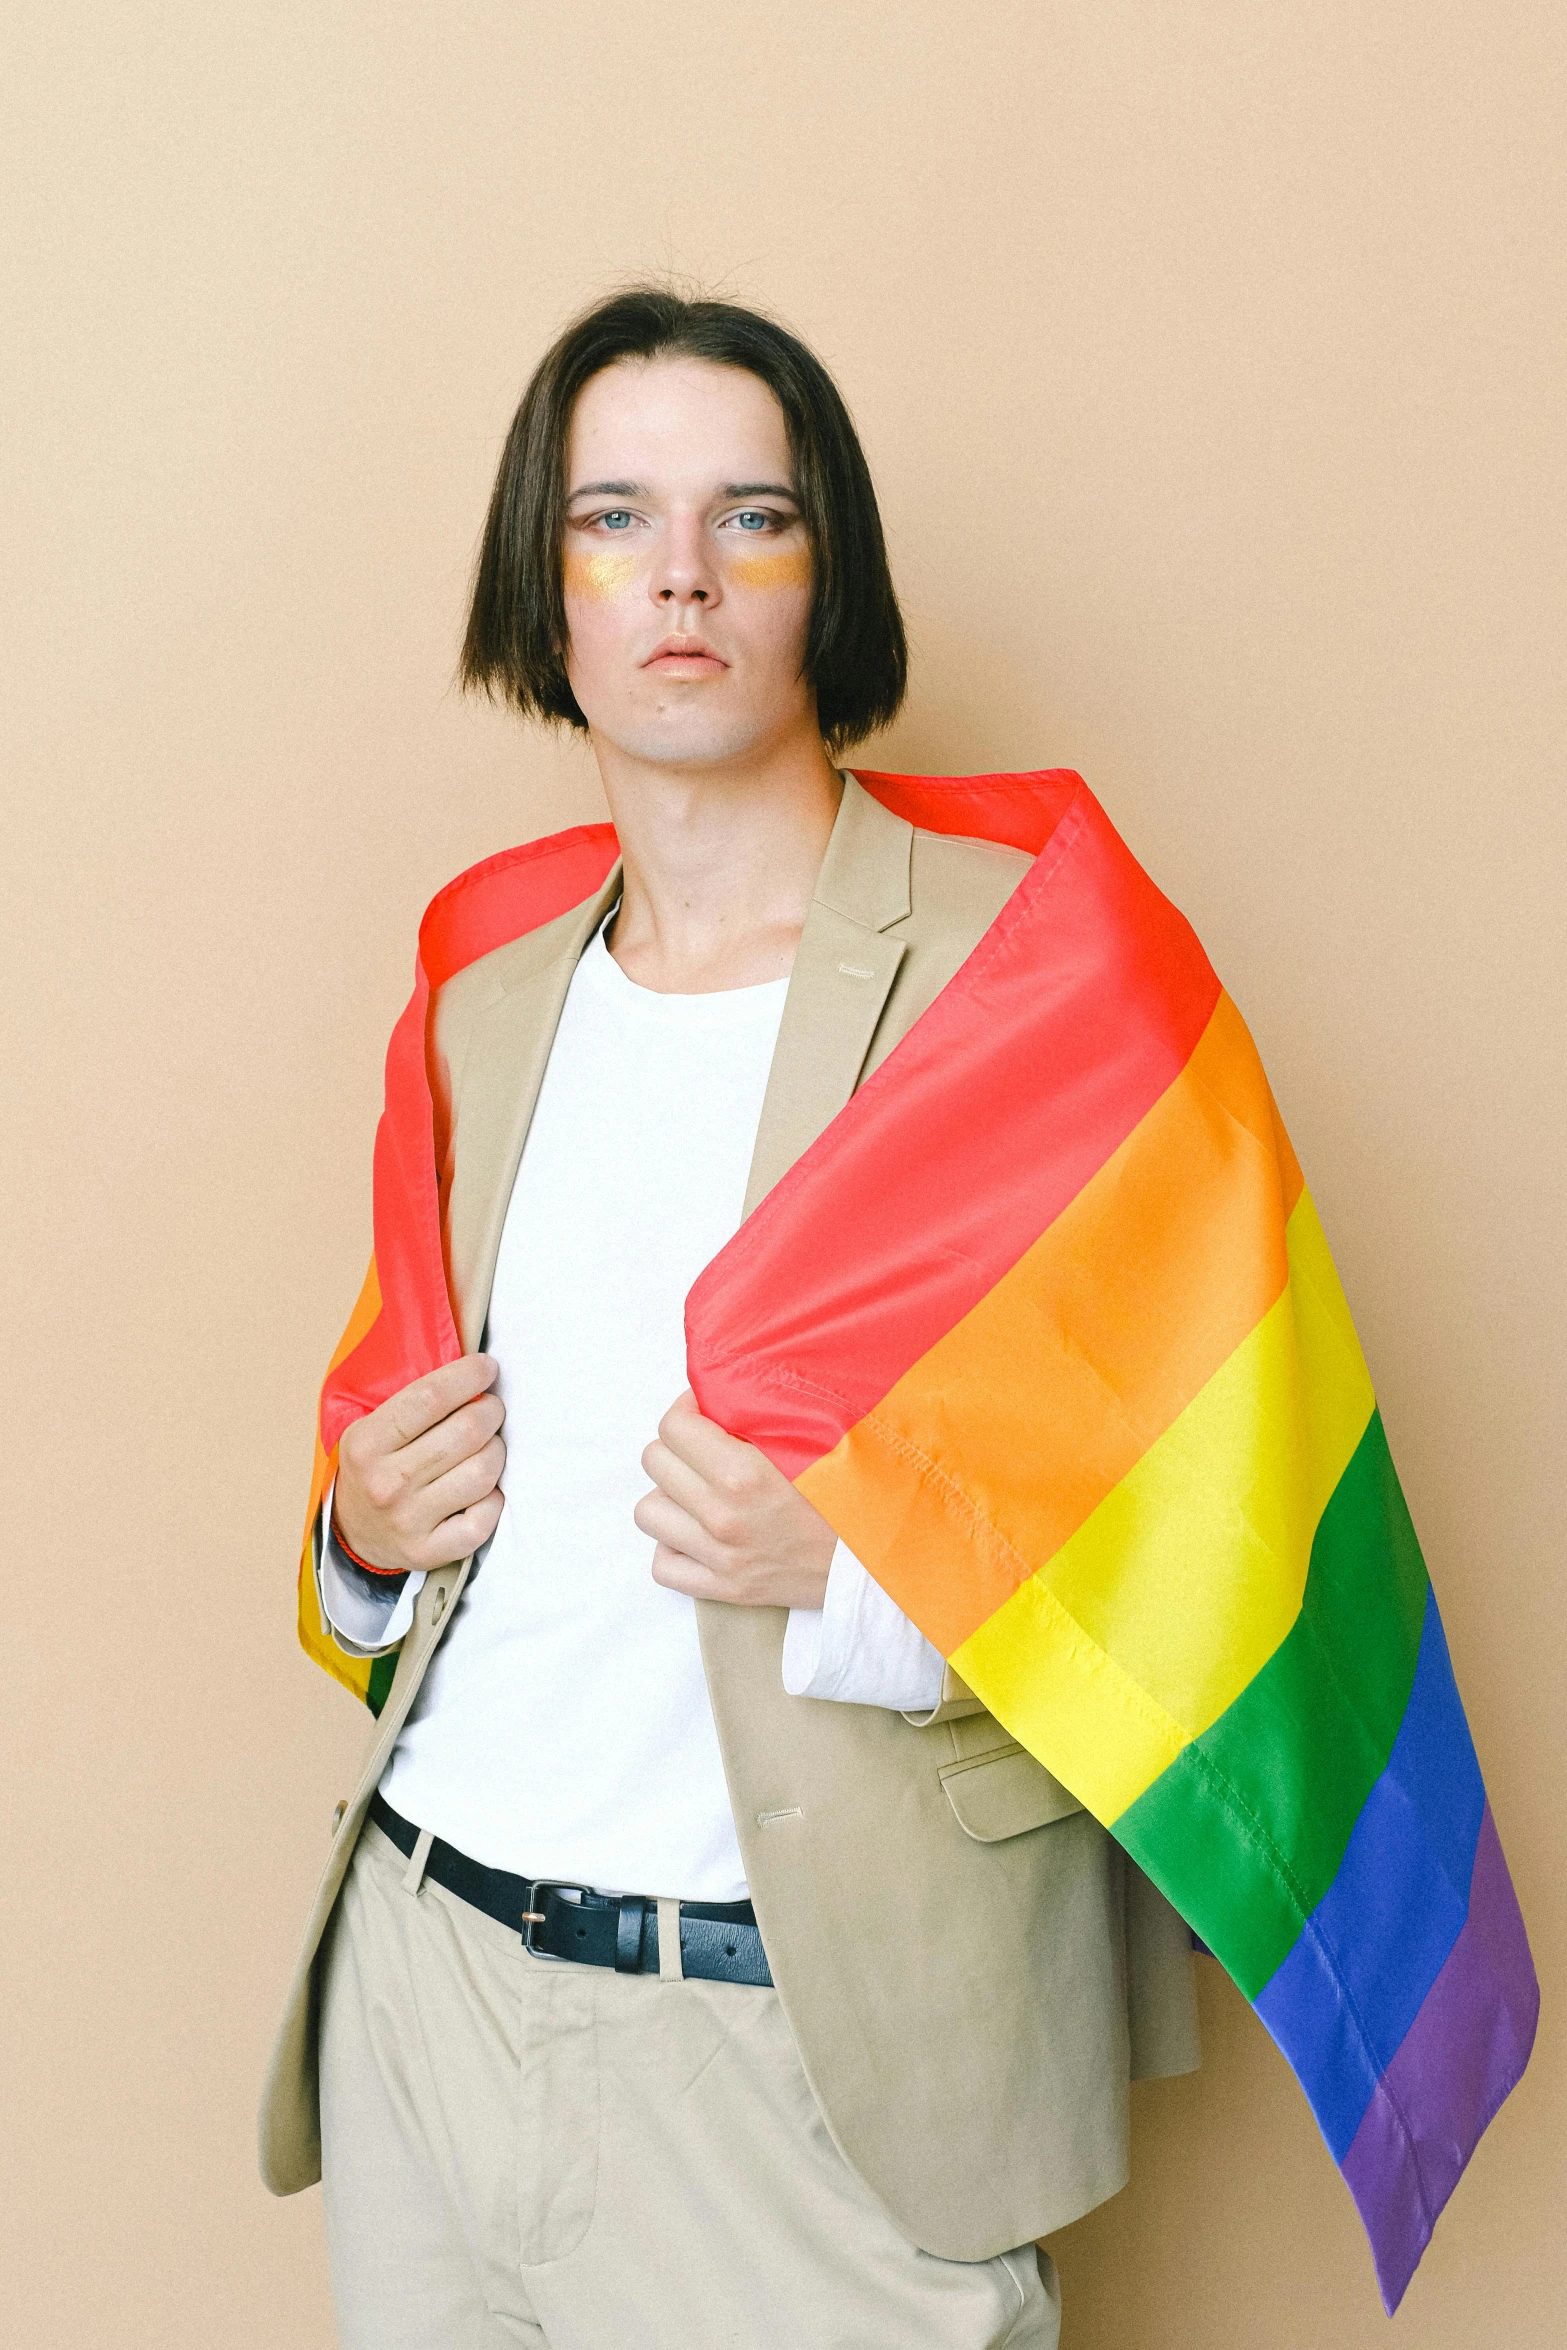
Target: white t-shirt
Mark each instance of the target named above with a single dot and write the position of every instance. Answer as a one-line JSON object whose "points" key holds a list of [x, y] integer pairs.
{"points": [[564, 1728]]}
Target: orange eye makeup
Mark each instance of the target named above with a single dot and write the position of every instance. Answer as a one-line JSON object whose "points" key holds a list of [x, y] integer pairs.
{"points": [[599, 577]]}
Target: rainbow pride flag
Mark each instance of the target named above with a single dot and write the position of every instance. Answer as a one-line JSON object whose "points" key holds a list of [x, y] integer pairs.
{"points": [[1046, 1326]]}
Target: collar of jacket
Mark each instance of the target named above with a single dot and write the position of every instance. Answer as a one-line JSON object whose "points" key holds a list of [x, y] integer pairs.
{"points": [[843, 973]]}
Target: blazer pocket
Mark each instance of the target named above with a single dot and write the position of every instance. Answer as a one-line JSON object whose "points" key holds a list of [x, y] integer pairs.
{"points": [[1004, 1793]]}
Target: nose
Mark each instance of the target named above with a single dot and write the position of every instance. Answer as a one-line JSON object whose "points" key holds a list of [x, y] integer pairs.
{"points": [[684, 574]]}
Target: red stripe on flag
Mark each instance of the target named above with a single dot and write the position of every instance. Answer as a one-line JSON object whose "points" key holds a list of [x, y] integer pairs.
{"points": [[510, 894], [1077, 1009], [1015, 811]]}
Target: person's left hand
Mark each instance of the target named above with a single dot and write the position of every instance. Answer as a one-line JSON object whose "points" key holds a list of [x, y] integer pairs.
{"points": [[728, 1525]]}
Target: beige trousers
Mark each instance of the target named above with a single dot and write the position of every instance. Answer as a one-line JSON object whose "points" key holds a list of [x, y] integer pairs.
{"points": [[520, 2150]]}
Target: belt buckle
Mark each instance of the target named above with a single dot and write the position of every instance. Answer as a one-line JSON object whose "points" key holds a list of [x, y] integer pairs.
{"points": [[532, 1917]]}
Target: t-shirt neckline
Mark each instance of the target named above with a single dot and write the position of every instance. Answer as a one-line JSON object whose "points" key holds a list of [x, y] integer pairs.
{"points": [[717, 1007]]}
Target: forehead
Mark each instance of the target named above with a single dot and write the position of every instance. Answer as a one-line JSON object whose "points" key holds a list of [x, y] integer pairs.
{"points": [[676, 420]]}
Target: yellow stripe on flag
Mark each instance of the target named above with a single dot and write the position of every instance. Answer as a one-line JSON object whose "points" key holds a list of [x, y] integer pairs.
{"points": [[1153, 1617]]}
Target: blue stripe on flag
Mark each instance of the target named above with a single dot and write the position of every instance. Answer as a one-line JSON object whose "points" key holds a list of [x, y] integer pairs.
{"points": [[1392, 1913]]}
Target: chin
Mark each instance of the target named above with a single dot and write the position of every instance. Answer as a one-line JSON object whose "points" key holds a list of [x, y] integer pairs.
{"points": [[688, 738]]}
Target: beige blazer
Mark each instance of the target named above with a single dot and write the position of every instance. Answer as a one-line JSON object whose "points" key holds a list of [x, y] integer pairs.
{"points": [[971, 1968]]}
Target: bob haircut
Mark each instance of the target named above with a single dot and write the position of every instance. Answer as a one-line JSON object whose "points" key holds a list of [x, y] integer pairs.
{"points": [[856, 655]]}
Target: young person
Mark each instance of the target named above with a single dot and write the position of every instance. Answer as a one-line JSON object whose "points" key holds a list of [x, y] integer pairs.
{"points": [[697, 1961]]}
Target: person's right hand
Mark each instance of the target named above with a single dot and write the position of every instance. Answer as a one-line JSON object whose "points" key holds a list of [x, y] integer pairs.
{"points": [[418, 1481]]}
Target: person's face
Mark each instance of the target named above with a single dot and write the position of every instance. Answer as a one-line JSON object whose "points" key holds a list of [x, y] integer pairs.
{"points": [[687, 567]]}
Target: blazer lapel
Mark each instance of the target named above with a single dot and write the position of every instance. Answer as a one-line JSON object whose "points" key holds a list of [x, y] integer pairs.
{"points": [[499, 1085], [843, 972]]}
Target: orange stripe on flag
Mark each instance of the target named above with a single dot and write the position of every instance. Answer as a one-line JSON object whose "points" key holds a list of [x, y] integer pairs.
{"points": [[1006, 1435], [314, 1637], [366, 1307]]}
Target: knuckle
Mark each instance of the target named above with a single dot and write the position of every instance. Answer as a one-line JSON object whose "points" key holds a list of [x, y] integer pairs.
{"points": [[382, 1485], [477, 1424], [457, 1435]]}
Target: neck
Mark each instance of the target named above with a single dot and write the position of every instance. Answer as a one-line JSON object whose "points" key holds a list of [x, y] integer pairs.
{"points": [[720, 863]]}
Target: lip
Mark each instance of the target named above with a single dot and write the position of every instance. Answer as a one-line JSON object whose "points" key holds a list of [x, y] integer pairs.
{"points": [[684, 656]]}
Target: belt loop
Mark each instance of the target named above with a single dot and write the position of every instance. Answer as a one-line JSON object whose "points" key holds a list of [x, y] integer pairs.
{"points": [[628, 1935], [413, 1875], [671, 1966]]}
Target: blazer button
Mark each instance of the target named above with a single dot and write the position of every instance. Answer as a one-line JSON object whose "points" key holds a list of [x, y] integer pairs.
{"points": [[337, 1816]]}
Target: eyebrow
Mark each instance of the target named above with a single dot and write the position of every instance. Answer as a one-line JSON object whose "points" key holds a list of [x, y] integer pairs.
{"points": [[637, 489], [608, 489]]}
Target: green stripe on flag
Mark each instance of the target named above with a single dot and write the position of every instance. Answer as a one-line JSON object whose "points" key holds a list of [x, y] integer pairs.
{"points": [[382, 1669], [1302, 1746]]}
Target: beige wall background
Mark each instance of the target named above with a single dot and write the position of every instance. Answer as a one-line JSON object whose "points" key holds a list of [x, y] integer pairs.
{"points": [[1209, 357]]}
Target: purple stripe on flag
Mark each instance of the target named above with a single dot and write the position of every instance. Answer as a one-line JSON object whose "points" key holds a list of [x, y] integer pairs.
{"points": [[1464, 2053]]}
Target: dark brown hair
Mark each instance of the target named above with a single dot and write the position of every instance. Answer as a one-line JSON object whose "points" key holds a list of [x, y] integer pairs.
{"points": [[856, 656]]}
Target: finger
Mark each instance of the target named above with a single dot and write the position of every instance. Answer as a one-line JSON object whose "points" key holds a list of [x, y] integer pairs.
{"points": [[456, 1438], [702, 1444], [673, 1476], [419, 1406], [459, 1536], [676, 1570], [676, 1529], [470, 1481]]}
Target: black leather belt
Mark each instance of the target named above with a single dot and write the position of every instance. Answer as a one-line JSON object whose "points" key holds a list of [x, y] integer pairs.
{"points": [[719, 1940]]}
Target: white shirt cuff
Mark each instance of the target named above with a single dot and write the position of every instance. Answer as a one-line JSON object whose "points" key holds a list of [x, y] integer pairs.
{"points": [[859, 1647], [363, 1620]]}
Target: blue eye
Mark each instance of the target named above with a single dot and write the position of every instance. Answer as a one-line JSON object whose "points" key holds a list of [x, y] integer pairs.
{"points": [[753, 520], [619, 520]]}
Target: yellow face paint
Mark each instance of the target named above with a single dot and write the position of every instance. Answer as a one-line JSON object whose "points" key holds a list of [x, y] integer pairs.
{"points": [[599, 576], [791, 569]]}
